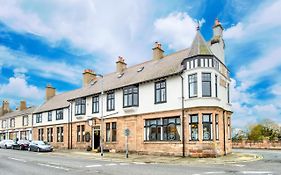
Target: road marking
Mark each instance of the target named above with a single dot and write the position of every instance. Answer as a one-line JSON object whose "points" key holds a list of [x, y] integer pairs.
{"points": [[52, 166], [218, 172], [238, 165], [91, 166], [256, 172], [20, 160], [124, 164], [110, 164], [139, 163]]}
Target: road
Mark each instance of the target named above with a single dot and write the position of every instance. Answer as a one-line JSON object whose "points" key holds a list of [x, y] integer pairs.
{"points": [[13, 162]]}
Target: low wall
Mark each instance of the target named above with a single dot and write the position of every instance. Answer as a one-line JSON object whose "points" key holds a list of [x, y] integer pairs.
{"points": [[265, 144]]}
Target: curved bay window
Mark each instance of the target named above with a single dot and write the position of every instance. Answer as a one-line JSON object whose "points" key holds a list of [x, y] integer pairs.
{"points": [[171, 129], [131, 96], [192, 85], [162, 129], [193, 127], [206, 85], [207, 127]]}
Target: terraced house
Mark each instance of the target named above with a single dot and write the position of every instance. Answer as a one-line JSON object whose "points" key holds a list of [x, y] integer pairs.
{"points": [[176, 104], [16, 124]]}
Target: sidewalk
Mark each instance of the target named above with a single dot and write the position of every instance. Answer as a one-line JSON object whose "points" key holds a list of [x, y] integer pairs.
{"points": [[150, 159]]}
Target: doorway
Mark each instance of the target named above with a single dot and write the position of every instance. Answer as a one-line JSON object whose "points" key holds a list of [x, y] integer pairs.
{"points": [[96, 137]]}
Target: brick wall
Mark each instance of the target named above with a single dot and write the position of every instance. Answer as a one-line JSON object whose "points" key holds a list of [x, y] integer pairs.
{"points": [[265, 144]]}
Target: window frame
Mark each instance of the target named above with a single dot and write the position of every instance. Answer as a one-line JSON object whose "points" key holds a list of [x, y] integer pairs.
{"points": [[50, 116], [95, 104], [107, 132], [59, 117], [38, 118], [50, 136], [216, 86], [23, 120], [132, 93], [206, 81], [110, 96], [79, 104], [160, 92], [113, 131], [191, 122], [217, 131], [210, 123], [60, 134], [195, 82]]}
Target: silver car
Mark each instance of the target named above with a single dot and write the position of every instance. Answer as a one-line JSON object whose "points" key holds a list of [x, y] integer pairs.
{"points": [[6, 144], [40, 146]]}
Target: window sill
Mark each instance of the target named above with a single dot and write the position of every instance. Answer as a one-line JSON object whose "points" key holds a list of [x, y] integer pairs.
{"points": [[130, 108], [161, 102], [162, 142]]}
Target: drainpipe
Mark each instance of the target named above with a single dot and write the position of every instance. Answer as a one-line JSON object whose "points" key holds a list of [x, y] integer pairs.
{"points": [[70, 125], [68, 129], [182, 113], [224, 141]]}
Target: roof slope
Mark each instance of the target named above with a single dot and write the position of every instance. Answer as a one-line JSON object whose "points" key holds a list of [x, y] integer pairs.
{"points": [[153, 69], [16, 113], [199, 46]]}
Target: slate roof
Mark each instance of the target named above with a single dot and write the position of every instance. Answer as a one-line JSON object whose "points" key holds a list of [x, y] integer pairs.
{"points": [[199, 46], [16, 113], [152, 69]]}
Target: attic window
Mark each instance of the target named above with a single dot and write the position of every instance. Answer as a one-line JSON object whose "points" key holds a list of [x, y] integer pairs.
{"points": [[120, 75], [140, 69]]}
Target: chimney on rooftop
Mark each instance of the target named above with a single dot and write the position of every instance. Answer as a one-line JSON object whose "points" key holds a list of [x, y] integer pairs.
{"points": [[158, 52], [5, 107], [22, 105], [120, 64], [88, 76], [50, 92]]}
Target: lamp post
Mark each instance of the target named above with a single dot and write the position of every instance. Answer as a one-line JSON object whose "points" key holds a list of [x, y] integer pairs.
{"points": [[101, 131]]}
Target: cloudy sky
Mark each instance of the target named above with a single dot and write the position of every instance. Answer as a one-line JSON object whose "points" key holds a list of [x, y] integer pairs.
{"points": [[53, 41]]}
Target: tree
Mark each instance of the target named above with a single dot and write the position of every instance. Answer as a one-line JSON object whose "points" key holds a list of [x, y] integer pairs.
{"points": [[256, 132]]}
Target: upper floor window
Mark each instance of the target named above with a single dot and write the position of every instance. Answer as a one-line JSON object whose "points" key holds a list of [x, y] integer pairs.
{"points": [[206, 85], [160, 92], [59, 114], [50, 116], [228, 93], [12, 122], [110, 101], [25, 120], [192, 85], [207, 126], [95, 106], [80, 106], [38, 118], [131, 96], [216, 86], [4, 124]]}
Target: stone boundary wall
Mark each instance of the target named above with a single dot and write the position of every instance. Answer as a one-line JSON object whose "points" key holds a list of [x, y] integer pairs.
{"points": [[265, 144]]}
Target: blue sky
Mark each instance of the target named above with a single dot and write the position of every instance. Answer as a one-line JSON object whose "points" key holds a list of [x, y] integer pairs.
{"points": [[52, 42]]}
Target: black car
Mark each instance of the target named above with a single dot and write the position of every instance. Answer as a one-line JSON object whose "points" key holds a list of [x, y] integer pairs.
{"points": [[40, 146], [21, 145]]}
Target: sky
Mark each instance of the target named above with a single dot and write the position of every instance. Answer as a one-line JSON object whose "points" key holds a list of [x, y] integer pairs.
{"points": [[52, 42]]}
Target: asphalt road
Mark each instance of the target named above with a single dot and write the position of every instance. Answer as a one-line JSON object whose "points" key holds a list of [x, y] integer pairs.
{"points": [[14, 162]]}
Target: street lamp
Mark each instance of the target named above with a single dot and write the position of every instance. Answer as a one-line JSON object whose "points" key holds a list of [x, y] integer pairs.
{"points": [[101, 132]]}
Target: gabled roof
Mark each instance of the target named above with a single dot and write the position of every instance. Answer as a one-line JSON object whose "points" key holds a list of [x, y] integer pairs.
{"points": [[16, 113], [199, 46], [149, 70]]}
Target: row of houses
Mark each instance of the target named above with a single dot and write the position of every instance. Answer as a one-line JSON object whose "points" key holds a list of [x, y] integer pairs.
{"points": [[176, 104]]}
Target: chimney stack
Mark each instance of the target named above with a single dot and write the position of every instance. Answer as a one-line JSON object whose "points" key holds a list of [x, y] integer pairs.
{"points": [[88, 76], [120, 64], [217, 42], [50, 92], [158, 52], [5, 107], [22, 105]]}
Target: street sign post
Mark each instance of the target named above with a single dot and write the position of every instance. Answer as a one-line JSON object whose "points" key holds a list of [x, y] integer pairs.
{"points": [[126, 133]]}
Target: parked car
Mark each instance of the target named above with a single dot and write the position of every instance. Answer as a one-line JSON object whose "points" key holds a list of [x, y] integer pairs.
{"points": [[6, 144], [21, 145], [40, 146]]}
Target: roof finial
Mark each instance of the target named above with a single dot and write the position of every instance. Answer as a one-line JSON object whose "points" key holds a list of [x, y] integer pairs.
{"points": [[197, 26]]}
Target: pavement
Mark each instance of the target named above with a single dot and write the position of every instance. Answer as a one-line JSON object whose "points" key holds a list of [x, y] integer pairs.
{"points": [[151, 159], [14, 162]]}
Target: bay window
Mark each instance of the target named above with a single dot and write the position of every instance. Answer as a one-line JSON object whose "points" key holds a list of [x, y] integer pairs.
{"points": [[207, 126], [206, 85], [192, 85], [193, 127]]}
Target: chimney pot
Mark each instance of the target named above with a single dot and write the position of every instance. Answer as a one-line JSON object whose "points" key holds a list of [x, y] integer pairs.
{"points": [[120, 64]]}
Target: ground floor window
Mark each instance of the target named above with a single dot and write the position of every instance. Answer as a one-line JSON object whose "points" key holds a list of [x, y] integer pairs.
{"points": [[193, 127], [80, 133], [217, 126], [49, 134], [41, 134], [207, 126], [111, 132], [59, 134], [158, 129], [23, 135], [114, 132]]}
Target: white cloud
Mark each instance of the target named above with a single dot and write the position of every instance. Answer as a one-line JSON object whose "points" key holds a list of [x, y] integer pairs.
{"points": [[235, 31], [177, 29], [45, 68]]}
